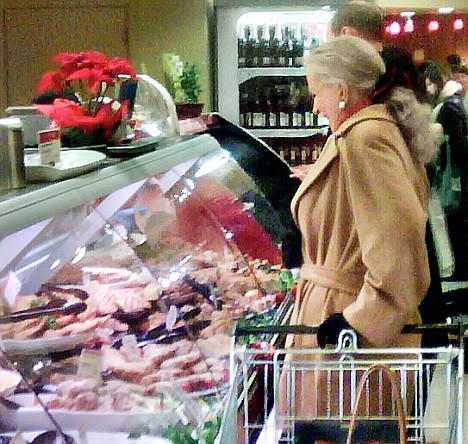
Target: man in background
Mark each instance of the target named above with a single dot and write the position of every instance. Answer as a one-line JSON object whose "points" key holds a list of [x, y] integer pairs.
{"points": [[361, 19]]}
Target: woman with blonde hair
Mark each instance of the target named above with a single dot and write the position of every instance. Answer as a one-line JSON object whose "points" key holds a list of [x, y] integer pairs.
{"points": [[361, 211]]}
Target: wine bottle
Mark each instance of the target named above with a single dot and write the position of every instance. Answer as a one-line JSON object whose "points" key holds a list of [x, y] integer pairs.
{"points": [[285, 46], [272, 46], [255, 45], [264, 56], [249, 48], [298, 47], [241, 41]]}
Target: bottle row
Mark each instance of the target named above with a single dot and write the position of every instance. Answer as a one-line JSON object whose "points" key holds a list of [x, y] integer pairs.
{"points": [[274, 45], [300, 154], [281, 119], [277, 102]]}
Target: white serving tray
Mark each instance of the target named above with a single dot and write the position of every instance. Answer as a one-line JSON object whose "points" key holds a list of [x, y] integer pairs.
{"points": [[72, 163], [43, 345], [30, 416]]}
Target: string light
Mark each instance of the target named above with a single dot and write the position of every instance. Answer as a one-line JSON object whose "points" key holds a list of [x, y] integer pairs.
{"points": [[395, 28], [433, 26], [458, 24]]}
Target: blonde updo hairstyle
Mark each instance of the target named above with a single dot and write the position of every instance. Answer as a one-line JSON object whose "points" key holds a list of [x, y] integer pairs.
{"points": [[347, 59]]}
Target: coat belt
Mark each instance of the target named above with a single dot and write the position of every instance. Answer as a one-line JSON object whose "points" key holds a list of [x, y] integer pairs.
{"points": [[329, 278]]}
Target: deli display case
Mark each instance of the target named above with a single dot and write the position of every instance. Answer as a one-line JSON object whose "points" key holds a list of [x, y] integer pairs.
{"points": [[120, 288]]}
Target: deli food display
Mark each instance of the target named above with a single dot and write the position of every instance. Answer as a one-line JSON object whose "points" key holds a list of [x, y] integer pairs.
{"points": [[120, 290]]}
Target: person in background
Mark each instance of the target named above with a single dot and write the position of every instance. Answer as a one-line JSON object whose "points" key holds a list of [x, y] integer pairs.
{"points": [[460, 74], [454, 62], [446, 96], [361, 209]]}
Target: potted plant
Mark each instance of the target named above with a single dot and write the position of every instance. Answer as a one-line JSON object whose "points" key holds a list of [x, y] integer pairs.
{"points": [[190, 85]]}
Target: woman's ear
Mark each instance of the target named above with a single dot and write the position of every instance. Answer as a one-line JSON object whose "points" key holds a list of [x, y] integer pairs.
{"points": [[349, 30], [344, 92]]}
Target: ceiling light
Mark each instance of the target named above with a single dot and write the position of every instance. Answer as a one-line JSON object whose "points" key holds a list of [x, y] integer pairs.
{"points": [[409, 26], [446, 10]]}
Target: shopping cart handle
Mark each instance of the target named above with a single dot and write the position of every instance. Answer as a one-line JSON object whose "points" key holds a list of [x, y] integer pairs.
{"points": [[422, 328], [309, 330], [275, 329]]}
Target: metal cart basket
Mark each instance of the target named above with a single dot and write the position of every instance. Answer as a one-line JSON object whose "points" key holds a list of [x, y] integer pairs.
{"points": [[269, 386]]}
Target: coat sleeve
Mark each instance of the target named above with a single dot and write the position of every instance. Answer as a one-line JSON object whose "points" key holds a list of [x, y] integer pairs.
{"points": [[390, 221]]}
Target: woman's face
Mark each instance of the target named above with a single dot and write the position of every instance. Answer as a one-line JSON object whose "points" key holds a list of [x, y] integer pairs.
{"points": [[431, 87], [326, 100]]}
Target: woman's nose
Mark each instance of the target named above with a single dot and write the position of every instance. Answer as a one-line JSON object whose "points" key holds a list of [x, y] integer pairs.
{"points": [[315, 108]]}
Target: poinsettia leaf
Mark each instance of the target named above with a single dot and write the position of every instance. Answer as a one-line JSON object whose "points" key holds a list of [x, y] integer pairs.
{"points": [[96, 58], [69, 67], [51, 81], [119, 65], [65, 57]]}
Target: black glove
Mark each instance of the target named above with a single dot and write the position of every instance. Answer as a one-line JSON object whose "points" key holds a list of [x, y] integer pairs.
{"points": [[329, 330]]}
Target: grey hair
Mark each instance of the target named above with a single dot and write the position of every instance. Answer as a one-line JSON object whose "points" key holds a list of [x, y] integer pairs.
{"points": [[347, 59], [414, 120]]}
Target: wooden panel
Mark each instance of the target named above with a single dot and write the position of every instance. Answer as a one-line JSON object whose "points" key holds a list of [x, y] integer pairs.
{"points": [[33, 36], [3, 79]]}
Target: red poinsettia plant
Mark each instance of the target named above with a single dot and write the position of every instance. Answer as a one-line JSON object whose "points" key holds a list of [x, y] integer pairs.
{"points": [[84, 88]]}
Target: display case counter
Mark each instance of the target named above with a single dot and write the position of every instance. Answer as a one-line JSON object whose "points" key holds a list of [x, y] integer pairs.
{"points": [[120, 288]]}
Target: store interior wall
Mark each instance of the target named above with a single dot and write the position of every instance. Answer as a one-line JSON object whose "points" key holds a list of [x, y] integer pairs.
{"points": [[32, 31]]}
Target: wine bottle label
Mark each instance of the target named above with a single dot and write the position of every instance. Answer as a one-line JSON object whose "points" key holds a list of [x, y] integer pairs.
{"points": [[284, 119], [258, 119], [293, 156], [303, 155], [272, 118], [314, 154], [296, 119], [322, 121]]}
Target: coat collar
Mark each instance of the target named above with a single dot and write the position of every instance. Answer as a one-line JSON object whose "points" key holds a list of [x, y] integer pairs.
{"points": [[372, 112], [330, 151]]}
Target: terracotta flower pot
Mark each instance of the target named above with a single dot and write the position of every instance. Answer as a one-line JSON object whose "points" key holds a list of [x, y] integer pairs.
{"points": [[188, 110]]}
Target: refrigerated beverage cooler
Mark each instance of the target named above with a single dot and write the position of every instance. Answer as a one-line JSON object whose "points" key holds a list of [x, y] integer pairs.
{"points": [[261, 78]]}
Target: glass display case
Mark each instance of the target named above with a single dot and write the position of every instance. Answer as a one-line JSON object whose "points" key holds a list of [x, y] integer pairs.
{"points": [[120, 288]]}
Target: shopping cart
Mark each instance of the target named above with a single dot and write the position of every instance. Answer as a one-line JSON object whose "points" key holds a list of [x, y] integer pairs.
{"points": [[269, 385]]}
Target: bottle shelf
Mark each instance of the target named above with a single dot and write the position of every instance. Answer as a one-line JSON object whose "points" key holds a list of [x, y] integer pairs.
{"points": [[288, 132], [245, 74]]}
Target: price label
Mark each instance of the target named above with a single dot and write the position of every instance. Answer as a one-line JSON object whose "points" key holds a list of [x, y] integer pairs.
{"points": [[90, 364], [12, 289], [49, 146]]}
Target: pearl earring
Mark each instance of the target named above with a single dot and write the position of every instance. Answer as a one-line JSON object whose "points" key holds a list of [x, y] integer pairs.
{"points": [[342, 104]]}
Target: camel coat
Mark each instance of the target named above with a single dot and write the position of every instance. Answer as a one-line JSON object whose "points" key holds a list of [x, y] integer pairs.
{"points": [[362, 214]]}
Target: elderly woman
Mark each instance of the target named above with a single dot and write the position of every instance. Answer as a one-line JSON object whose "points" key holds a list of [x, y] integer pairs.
{"points": [[361, 210]]}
